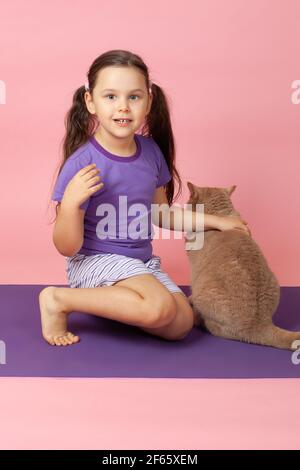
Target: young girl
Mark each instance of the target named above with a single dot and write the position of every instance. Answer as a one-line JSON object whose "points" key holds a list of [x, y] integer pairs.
{"points": [[110, 168]]}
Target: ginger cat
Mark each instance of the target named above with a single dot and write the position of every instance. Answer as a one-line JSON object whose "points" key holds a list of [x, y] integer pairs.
{"points": [[234, 292]]}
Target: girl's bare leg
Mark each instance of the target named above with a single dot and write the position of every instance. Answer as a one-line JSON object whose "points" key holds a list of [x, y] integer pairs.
{"points": [[149, 305]]}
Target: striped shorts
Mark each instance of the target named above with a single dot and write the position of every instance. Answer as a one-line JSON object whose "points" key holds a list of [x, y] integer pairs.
{"points": [[104, 269]]}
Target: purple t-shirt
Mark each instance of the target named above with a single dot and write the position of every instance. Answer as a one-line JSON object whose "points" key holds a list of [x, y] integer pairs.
{"points": [[118, 216]]}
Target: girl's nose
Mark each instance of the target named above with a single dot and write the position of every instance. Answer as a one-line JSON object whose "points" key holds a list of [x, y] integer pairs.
{"points": [[123, 107]]}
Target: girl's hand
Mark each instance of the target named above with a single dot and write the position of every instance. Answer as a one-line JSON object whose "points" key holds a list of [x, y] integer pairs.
{"points": [[230, 222], [82, 185]]}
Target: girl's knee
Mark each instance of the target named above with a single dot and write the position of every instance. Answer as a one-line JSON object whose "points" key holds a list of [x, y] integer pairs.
{"points": [[184, 326], [188, 326], [160, 311]]}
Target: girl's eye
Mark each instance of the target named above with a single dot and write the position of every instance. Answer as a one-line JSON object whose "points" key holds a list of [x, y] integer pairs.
{"points": [[114, 95]]}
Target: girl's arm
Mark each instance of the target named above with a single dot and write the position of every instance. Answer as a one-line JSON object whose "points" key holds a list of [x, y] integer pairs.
{"points": [[69, 229], [68, 232], [177, 218], [185, 220]]}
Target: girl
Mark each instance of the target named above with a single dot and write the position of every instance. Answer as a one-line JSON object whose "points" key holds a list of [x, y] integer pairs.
{"points": [[107, 165]]}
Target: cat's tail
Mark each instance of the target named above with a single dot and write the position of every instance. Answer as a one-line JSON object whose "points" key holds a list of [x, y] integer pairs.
{"points": [[272, 335]]}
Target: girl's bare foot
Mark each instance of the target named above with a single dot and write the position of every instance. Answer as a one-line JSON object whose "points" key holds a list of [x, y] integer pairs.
{"points": [[54, 320]]}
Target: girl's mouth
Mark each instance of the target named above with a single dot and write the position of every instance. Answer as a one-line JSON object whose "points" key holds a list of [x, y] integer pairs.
{"points": [[123, 122]]}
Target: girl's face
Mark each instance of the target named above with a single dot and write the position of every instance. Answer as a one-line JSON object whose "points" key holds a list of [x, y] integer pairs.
{"points": [[120, 92]]}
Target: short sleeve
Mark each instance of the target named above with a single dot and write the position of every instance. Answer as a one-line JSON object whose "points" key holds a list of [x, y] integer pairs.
{"points": [[70, 168], [164, 175]]}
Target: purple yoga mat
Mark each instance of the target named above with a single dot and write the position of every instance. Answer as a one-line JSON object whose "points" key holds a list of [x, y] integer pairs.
{"points": [[112, 349]]}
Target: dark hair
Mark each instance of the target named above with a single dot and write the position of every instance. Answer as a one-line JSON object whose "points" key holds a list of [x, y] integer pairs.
{"points": [[81, 124]]}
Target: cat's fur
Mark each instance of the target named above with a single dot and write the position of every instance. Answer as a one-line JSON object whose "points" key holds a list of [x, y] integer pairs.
{"points": [[234, 292]]}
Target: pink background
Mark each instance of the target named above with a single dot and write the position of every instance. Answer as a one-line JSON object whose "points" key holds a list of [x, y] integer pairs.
{"points": [[227, 67], [149, 413]]}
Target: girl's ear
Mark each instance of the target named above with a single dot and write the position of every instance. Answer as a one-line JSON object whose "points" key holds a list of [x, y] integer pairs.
{"points": [[89, 103], [149, 104]]}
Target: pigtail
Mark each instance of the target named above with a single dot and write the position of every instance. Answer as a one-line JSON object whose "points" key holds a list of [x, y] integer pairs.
{"points": [[79, 124], [160, 129]]}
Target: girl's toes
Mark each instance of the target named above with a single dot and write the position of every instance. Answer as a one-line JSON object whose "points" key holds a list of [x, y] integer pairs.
{"points": [[63, 341], [49, 340], [57, 341], [72, 337], [68, 340]]}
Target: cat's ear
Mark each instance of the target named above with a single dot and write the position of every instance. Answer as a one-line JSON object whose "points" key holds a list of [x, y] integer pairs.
{"points": [[191, 188], [230, 189]]}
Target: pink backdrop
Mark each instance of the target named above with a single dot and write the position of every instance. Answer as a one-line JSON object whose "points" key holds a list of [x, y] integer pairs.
{"points": [[227, 67]]}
